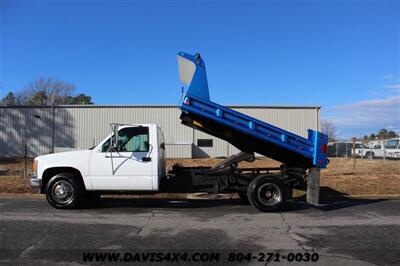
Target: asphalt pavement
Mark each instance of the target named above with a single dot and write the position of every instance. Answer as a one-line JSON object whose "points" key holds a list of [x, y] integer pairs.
{"points": [[341, 232]]}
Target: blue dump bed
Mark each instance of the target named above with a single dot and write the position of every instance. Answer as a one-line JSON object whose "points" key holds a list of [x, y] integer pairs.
{"points": [[246, 133]]}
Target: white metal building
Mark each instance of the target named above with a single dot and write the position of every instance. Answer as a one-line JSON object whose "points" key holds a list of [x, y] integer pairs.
{"points": [[44, 129]]}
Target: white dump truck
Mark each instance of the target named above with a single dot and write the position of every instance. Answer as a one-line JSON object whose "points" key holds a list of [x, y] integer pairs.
{"points": [[132, 158]]}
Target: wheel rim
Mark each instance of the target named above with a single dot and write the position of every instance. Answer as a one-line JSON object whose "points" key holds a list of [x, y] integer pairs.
{"points": [[269, 194], [63, 192]]}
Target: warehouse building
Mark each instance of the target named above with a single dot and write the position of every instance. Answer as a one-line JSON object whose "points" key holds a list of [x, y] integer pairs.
{"points": [[42, 130]]}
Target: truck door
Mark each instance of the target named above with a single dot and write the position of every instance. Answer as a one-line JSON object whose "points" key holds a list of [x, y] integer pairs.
{"points": [[129, 166], [378, 150]]}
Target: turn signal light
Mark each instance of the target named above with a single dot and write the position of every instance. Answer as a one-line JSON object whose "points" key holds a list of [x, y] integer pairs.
{"points": [[34, 166]]}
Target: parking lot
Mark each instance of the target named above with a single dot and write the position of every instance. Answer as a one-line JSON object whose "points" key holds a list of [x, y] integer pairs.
{"points": [[345, 231]]}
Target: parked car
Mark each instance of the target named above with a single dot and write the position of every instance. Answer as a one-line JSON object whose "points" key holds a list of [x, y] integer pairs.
{"points": [[361, 150], [385, 149]]}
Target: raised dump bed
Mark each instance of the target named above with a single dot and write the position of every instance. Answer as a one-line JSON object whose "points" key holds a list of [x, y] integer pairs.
{"points": [[245, 132]]}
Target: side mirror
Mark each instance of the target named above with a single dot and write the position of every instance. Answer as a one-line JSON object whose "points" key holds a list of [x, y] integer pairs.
{"points": [[114, 138]]}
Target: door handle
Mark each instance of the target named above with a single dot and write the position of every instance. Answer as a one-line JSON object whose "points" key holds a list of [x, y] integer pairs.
{"points": [[146, 159]]}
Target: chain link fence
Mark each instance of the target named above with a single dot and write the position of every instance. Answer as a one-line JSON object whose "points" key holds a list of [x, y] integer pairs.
{"points": [[377, 149]]}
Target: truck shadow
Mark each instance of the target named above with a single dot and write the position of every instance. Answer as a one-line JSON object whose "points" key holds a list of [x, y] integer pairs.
{"points": [[108, 202], [330, 200]]}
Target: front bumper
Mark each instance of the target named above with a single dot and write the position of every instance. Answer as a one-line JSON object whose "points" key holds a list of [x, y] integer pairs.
{"points": [[35, 182]]}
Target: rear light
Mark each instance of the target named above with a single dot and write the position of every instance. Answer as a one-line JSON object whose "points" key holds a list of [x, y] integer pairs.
{"points": [[186, 101], [323, 148]]}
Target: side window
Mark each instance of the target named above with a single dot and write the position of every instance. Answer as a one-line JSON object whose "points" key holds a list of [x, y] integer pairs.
{"points": [[135, 139], [377, 147], [131, 139]]}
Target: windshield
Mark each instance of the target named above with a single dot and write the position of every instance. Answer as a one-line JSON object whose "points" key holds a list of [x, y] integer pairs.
{"points": [[392, 144]]}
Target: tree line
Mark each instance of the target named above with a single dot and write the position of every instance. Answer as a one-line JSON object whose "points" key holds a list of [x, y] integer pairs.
{"points": [[46, 92], [330, 129], [382, 134]]}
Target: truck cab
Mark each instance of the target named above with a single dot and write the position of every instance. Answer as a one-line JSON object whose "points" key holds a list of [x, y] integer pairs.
{"points": [[132, 158], [137, 162], [392, 148]]}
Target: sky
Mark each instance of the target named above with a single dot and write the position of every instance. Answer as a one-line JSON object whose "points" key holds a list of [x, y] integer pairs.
{"points": [[341, 55]]}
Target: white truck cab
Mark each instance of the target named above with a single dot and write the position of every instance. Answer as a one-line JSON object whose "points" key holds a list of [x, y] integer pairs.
{"points": [[392, 148], [137, 163], [132, 158]]}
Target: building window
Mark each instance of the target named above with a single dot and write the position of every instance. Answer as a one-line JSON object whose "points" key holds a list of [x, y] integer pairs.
{"points": [[204, 142]]}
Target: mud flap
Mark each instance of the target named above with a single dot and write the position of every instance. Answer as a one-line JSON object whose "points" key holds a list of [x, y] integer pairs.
{"points": [[313, 186]]}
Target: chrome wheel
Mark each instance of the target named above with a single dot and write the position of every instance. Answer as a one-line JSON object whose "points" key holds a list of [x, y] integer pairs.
{"points": [[63, 192], [269, 194]]}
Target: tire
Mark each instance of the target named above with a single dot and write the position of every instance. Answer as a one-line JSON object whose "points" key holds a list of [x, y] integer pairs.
{"points": [[243, 197], [267, 193], [64, 191], [370, 155]]}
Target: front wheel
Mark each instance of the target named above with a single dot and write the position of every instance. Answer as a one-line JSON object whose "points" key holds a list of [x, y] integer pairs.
{"points": [[370, 155], [64, 191], [267, 193]]}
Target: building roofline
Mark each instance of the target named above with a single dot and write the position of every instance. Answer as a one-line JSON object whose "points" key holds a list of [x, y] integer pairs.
{"points": [[161, 106]]}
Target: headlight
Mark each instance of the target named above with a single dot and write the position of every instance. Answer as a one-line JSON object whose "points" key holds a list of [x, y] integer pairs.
{"points": [[34, 166]]}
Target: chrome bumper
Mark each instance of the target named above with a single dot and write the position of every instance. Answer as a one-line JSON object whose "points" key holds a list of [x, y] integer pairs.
{"points": [[35, 182]]}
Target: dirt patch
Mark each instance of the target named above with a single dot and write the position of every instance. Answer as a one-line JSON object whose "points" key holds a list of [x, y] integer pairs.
{"points": [[368, 178]]}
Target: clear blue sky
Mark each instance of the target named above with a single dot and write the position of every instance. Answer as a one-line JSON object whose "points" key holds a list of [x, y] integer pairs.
{"points": [[341, 55]]}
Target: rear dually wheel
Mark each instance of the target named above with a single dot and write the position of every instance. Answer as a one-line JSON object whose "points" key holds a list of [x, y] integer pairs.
{"points": [[267, 193]]}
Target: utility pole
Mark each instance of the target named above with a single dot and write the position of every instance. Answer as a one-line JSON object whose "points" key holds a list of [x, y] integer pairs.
{"points": [[53, 129], [354, 154]]}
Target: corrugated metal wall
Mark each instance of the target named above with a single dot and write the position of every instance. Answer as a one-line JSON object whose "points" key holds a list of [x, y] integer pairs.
{"points": [[85, 126]]}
